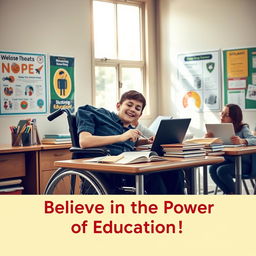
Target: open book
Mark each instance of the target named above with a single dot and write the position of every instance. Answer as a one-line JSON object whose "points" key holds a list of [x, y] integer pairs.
{"points": [[129, 158], [205, 141]]}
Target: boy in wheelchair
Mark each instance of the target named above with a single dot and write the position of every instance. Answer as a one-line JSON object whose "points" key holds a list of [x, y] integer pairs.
{"points": [[98, 127]]}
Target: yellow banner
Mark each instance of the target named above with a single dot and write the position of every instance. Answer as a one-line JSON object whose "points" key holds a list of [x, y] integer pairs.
{"points": [[127, 225]]}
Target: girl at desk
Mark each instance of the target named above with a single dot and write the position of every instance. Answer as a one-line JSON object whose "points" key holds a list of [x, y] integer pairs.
{"points": [[222, 174]]}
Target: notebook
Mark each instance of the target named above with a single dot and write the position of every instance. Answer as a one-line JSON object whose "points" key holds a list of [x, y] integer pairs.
{"points": [[224, 131], [170, 131]]}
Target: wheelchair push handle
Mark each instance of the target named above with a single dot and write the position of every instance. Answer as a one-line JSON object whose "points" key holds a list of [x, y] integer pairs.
{"points": [[58, 113]]}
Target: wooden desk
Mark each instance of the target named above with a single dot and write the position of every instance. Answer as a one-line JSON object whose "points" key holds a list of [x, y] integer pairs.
{"points": [[34, 164], [20, 162], [139, 169], [47, 155], [237, 153]]}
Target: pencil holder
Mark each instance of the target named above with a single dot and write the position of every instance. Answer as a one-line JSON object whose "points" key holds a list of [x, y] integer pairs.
{"points": [[16, 139], [26, 139]]}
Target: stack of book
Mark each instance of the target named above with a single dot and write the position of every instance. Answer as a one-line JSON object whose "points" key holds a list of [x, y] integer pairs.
{"points": [[214, 149], [11, 187], [56, 139], [213, 146], [184, 150]]}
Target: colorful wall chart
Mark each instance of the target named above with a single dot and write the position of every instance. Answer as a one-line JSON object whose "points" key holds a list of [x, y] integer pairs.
{"points": [[22, 83], [62, 83], [239, 77], [199, 80]]}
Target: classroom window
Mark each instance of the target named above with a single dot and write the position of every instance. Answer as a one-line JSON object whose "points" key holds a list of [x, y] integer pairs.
{"points": [[119, 63]]}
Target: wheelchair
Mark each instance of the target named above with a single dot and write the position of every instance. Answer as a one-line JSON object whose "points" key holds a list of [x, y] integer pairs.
{"points": [[83, 182]]}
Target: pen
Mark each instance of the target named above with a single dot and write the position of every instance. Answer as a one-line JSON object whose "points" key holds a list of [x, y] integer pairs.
{"points": [[143, 136]]}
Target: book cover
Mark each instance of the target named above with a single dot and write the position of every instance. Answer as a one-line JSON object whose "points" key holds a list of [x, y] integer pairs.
{"points": [[12, 190], [10, 182], [213, 149], [187, 150], [57, 136], [215, 153], [56, 141], [184, 152], [182, 146], [214, 146], [185, 155]]}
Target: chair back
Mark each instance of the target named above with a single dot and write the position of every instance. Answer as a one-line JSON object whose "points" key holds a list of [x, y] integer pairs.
{"points": [[77, 152], [253, 170], [73, 130]]}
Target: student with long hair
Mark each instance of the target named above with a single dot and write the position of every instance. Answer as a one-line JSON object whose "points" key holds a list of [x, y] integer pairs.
{"points": [[222, 174]]}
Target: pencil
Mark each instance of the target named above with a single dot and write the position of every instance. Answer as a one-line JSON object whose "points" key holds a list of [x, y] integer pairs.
{"points": [[143, 136]]}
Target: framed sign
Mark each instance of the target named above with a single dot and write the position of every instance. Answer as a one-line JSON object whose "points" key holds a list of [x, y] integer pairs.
{"points": [[199, 81], [62, 83], [23, 83]]}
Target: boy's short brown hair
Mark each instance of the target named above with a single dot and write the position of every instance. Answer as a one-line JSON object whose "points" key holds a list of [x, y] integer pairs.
{"points": [[133, 95]]}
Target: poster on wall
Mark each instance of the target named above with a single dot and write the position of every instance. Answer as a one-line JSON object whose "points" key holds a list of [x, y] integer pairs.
{"points": [[239, 77], [199, 81], [23, 83], [62, 83]]}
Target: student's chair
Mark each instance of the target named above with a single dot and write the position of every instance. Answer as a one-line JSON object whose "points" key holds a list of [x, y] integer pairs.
{"points": [[251, 177], [74, 181]]}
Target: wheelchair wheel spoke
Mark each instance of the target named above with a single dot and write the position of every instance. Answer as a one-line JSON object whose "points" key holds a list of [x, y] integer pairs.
{"points": [[70, 182]]}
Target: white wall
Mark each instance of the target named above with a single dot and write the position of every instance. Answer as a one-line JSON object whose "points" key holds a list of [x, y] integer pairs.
{"points": [[200, 25], [58, 27], [61, 27]]}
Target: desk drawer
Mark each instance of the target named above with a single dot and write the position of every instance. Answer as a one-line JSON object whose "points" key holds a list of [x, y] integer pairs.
{"points": [[12, 165], [48, 157]]}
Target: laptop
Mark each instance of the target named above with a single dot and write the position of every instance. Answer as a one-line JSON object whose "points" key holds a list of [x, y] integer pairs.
{"points": [[169, 132], [154, 126], [223, 131]]}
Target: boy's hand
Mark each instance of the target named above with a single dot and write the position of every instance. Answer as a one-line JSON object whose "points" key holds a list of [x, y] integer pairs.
{"points": [[151, 139], [131, 134], [143, 141]]}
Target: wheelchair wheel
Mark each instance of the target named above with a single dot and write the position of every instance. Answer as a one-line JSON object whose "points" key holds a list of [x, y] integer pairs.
{"points": [[79, 182]]}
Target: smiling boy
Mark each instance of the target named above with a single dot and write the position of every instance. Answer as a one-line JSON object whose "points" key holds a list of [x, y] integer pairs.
{"points": [[99, 127]]}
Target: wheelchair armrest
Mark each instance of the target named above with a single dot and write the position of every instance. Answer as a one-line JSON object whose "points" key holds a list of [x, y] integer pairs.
{"points": [[90, 151]]}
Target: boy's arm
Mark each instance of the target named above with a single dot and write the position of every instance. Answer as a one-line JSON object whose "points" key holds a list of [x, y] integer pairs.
{"points": [[87, 140]]}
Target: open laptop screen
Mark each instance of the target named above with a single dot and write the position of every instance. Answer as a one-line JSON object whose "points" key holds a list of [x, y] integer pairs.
{"points": [[169, 132], [223, 131]]}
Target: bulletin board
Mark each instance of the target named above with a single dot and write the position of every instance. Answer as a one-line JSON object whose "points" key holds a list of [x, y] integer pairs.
{"points": [[239, 77], [199, 81]]}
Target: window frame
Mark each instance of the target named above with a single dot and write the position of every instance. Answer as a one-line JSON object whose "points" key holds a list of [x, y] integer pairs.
{"points": [[119, 64]]}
